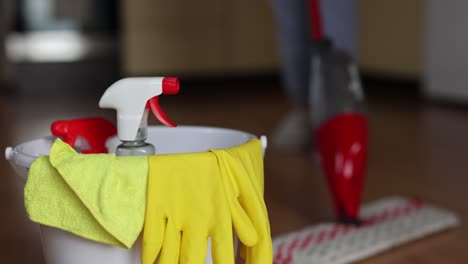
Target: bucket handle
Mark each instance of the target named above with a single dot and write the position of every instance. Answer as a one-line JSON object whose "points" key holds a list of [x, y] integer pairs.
{"points": [[264, 141], [9, 153]]}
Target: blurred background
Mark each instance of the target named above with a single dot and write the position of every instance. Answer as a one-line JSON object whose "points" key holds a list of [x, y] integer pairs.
{"points": [[58, 56], [100, 41], [208, 39]]}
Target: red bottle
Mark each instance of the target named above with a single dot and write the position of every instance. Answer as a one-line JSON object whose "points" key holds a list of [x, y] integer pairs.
{"points": [[94, 130], [340, 127]]}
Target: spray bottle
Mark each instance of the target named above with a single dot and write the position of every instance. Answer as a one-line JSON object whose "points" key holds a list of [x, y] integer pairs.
{"points": [[132, 98], [86, 135], [339, 119]]}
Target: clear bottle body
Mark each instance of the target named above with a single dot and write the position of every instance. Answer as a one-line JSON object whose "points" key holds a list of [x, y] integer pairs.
{"points": [[338, 112], [335, 86], [138, 147], [135, 148]]}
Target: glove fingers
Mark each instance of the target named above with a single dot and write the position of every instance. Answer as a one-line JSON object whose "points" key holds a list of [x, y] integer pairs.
{"points": [[254, 205], [252, 202], [243, 225], [222, 246], [193, 248], [171, 247], [260, 253], [153, 236]]}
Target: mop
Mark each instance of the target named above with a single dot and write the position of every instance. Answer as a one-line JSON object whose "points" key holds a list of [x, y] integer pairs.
{"points": [[340, 127], [386, 223]]}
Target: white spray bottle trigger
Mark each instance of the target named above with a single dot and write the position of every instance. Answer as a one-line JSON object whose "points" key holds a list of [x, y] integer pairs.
{"points": [[130, 96]]}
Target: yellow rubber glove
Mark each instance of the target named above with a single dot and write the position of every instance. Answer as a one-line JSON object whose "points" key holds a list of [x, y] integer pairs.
{"points": [[243, 166], [186, 204]]}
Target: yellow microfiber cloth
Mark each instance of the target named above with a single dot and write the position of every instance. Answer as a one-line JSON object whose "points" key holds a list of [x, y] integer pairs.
{"points": [[100, 197]]}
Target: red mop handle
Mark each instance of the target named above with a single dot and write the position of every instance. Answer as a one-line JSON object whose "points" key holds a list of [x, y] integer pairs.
{"points": [[315, 20]]}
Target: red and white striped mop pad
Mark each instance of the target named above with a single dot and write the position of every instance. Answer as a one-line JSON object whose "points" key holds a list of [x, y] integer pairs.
{"points": [[387, 223]]}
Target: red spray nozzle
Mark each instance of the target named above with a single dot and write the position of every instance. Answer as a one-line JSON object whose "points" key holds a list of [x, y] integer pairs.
{"points": [[153, 104], [170, 85], [95, 130]]}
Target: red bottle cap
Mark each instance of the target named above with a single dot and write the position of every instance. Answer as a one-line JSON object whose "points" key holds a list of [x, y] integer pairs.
{"points": [[170, 85]]}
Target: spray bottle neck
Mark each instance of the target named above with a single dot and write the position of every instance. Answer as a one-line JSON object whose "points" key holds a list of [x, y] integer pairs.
{"points": [[141, 136], [142, 133], [138, 146]]}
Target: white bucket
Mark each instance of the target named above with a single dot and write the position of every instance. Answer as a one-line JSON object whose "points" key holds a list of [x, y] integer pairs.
{"points": [[61, 247]]}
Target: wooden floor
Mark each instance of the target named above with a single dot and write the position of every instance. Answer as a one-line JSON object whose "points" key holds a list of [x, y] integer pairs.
{"points": [[416, 149]]}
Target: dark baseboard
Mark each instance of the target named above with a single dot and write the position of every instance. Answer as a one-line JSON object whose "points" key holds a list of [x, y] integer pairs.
{"points": [[385, 85], [374, 84]]}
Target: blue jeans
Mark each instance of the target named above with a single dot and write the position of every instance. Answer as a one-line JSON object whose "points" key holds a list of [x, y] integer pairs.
{"points": [[293, 29]]}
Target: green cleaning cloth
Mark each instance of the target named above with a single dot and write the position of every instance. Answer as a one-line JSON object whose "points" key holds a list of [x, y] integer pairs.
{"points": [[99, 197]]}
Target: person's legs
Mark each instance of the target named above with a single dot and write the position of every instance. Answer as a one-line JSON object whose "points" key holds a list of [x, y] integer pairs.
{"points": [[293, 28], [2, 41], [293, 36], [340, 22], [5, 23]]}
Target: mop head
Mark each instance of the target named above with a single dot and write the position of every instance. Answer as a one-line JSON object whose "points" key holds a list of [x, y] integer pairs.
{"points": [[386, 223]]}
